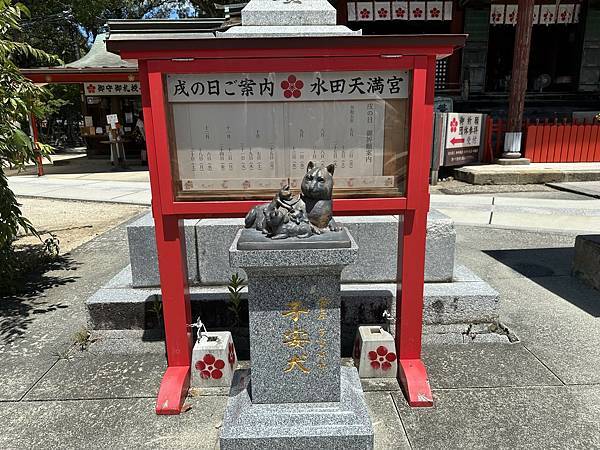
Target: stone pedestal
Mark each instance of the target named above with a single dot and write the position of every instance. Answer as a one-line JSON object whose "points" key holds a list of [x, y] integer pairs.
{"points": [[298, 395]]}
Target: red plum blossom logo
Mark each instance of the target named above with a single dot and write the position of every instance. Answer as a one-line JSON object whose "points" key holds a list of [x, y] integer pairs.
{"points": [[400, 12], [417, 12], [210, 367], [91, 88], [292, 87], [453, 125], [382, 358], [434, 12], [365, 13]]}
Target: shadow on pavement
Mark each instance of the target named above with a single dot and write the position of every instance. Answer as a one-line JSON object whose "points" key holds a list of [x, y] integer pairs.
{"points": [[551, 269], [19, 308]]}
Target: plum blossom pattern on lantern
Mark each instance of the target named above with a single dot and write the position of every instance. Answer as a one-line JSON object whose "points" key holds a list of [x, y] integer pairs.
{"points": [[382, 12], [434, 12], [210, 367], [382, 358], [417, 12], [292, 87], [365, 13]]}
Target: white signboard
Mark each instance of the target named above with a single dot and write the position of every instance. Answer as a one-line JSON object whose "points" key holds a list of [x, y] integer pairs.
{"points": [[220, 146], [277, 87], [112, 120], [111, 88], [88, 121], [463, 130]]}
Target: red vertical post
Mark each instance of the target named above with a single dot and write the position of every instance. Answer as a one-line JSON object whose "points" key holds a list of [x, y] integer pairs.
{"points": [[412, 373], [172, 265]]}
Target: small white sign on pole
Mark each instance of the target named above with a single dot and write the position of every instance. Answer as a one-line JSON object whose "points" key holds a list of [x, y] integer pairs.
{"points": [[463, 130], [112, 119]]}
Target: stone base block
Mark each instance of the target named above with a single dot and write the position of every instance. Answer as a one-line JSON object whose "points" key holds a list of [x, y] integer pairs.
{"points": [[513, 161], [467, 300], [586, 263], [143, 255], [328, 425], [377, 237]]}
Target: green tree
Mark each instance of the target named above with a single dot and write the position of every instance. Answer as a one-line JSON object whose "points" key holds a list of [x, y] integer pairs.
{"points": [[19, 98]]}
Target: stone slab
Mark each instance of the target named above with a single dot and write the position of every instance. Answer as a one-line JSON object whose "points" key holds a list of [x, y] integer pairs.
{"points": [[214, 237], [121, 306], [556, 318], [440, 247], [16, 383], [143, 254], [277, 13], [109, 423], [297, 259], [536, 417], [460, 303], [529, 174], [288, 31], [484, 366], [332, 425], [387, 427], [86, 375], [589, 188], [586, 263], [513, 161], [377, 238], [252, 239]]}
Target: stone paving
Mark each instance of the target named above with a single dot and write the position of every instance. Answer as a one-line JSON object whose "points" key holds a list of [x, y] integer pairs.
{"points": [[544, 210], [542, 392]]}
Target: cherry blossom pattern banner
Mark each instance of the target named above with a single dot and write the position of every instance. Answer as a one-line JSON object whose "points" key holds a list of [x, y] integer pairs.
{"points": [[300, 86], [404, 10]]}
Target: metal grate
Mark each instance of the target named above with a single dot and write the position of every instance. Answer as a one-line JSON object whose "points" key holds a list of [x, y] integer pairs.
{"points": [[441, 73]]}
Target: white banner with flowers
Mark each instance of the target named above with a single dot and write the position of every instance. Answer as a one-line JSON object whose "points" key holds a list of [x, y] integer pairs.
{"points": [[543, 14], [399, 10]]}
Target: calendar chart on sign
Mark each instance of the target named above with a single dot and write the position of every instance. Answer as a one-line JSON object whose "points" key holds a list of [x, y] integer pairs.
{"points": [[257, 132], [230, 147], [348, 134]]}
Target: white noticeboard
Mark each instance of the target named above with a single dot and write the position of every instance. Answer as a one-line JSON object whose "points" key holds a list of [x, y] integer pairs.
{"points": [[113, 120], [259, 130], [463, 130], [88, 121]]}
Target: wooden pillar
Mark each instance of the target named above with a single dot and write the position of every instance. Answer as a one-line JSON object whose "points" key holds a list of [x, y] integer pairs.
{"points": [[35, 138], [342, 12], [518, 81]]}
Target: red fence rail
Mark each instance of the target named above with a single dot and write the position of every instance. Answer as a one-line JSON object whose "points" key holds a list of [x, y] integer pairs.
{"points": [[548, 141], [563, 143]]}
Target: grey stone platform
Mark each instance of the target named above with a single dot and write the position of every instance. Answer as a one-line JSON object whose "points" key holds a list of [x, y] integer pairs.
{"points": [[208, 242], [325, 425], [586, 262], [449, 308]]}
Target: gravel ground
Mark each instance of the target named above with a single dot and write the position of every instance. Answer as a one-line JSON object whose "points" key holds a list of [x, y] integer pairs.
{"points": [[73, 222]]}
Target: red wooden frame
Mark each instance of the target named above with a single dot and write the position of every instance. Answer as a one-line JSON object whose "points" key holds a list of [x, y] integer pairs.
{"points": [[154, 64]]}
